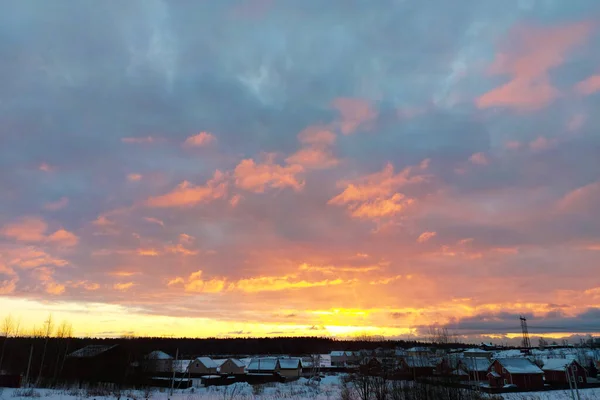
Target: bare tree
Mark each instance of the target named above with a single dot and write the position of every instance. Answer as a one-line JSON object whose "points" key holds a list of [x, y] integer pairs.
{"points": [[63, 333], [47, 330], [6, 329]]}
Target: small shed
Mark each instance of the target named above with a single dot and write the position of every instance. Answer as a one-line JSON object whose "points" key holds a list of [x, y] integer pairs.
{"points": [[515, 371], [290, 368], [556, 370], [158, 361], [203, 366]]}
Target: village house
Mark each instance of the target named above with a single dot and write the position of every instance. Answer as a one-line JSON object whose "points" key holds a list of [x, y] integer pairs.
{"points": [[265, 365], [476, 368], [515, 371], [343, 358], [290, 368], [203, 366], [98, 363], [477, 353], [556, 370], [415, 367], [418, 352], [158, 361], [232, 366]]}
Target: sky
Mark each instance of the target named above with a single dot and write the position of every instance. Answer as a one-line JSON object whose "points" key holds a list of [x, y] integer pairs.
{"points": [[331, 168]]}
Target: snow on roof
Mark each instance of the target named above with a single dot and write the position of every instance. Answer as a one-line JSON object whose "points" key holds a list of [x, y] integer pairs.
{"points": [[418, 349], [91, 351], [238, 363], [478, 364], [419, 362], [159, 355], [494, 374], [207, 362], [556, 364], [220, 362], [519, 366], [476, 351], [263, 364], [290, 363]]}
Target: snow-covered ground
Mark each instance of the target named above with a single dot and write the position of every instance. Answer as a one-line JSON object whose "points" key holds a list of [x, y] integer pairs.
{"points": [[329, 389]]}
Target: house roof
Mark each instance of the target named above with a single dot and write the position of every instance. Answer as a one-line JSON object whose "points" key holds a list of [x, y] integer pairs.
{"points": [[477, 351], [91, 351], [238, 363], [419, 349], [290, 363], [556, 364], [158, 355], [419, 362], [519, 366], [207, 362], [263, 364], [478, 364]]}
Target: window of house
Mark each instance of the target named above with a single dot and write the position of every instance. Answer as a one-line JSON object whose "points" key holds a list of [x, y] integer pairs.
{"points": [[503, 370], [197, 365], [574, 367], [581, 379], [506, 381]]}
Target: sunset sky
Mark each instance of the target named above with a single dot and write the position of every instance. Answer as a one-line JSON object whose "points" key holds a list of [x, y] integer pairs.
{"points": [[309, 167]]}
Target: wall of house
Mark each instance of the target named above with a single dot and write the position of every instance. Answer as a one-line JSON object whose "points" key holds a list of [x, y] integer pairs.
{"points": [[197, 367], [290, 373], [560, 377], [528, 381], [229, 368]]}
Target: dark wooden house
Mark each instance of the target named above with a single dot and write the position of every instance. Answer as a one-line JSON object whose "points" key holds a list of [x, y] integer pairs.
{"points": [[515, 371], [556, 370], [98, 363]]}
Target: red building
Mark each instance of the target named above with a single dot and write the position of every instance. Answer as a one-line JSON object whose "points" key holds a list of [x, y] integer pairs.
{"points": [[515, 371], [556, 369], [416, 367]]}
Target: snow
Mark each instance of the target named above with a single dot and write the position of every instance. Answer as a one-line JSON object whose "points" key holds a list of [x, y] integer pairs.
{"points": [[519, 366], [207, 362], [159, 355], [289, 363], [329, 388], [263, 364], [476, 364], [556, 364]]}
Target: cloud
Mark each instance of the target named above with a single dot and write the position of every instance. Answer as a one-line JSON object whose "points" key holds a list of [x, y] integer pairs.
{"points": [[134, 177], [27, 229], [140, 140], [195, 283], [313, 158], [187, 195], [200, 140], [317, 135], [426, 236], [123, 287], [479, 159], [257, 177], [376, 195], [57, 205], [63, 238], [354, 113], [154, 221], [531, 52]]}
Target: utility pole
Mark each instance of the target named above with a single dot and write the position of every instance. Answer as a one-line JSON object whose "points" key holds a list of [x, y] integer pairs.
{"points": [[174, 369], [575, 381]]}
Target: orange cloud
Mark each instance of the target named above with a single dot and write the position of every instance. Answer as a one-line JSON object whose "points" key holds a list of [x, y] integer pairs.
{"points": [[588, 86], [63, 238], [425, 236], [8, 286], [277, 283], [200, 140], [479, 159], [123, 286], [31, 257], [313, 158], [196, 284], [317, 135], [45, 275], [57, 205], [27, 229], [186, 238], [257, 177], [186, 194], [179, 249], [154, 221], [376, 195], [584, 199], [331, 269], [55, 288], [354, 113], [533, 51]]}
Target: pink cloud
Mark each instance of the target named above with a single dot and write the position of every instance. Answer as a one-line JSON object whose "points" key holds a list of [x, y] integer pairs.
{"points": [[154, 221], [257, 177], [530, 52], [313, 158], [46, 167], [57, 205], [63, 238], [513, 145], [588, 86], [187, 194], [576, 122], [134, 177], [479, 159], [354, 113], [27, 229], [200, 140], [541, 143], [584, 199], [317, 135], [426, 236]]}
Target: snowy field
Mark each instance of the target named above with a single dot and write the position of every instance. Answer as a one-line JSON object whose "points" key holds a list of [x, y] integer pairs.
{"points": [[329, 389]]}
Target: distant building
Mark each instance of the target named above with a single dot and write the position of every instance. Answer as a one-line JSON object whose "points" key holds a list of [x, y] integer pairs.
{"points": [[98, 363], [515, 371], [476, 368], [158, 361], [344, 358], [418, 352], [417, 366], [290, 368], [264, 365], [477, 353], [232, 366], [556, 370], [203, 366]]}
